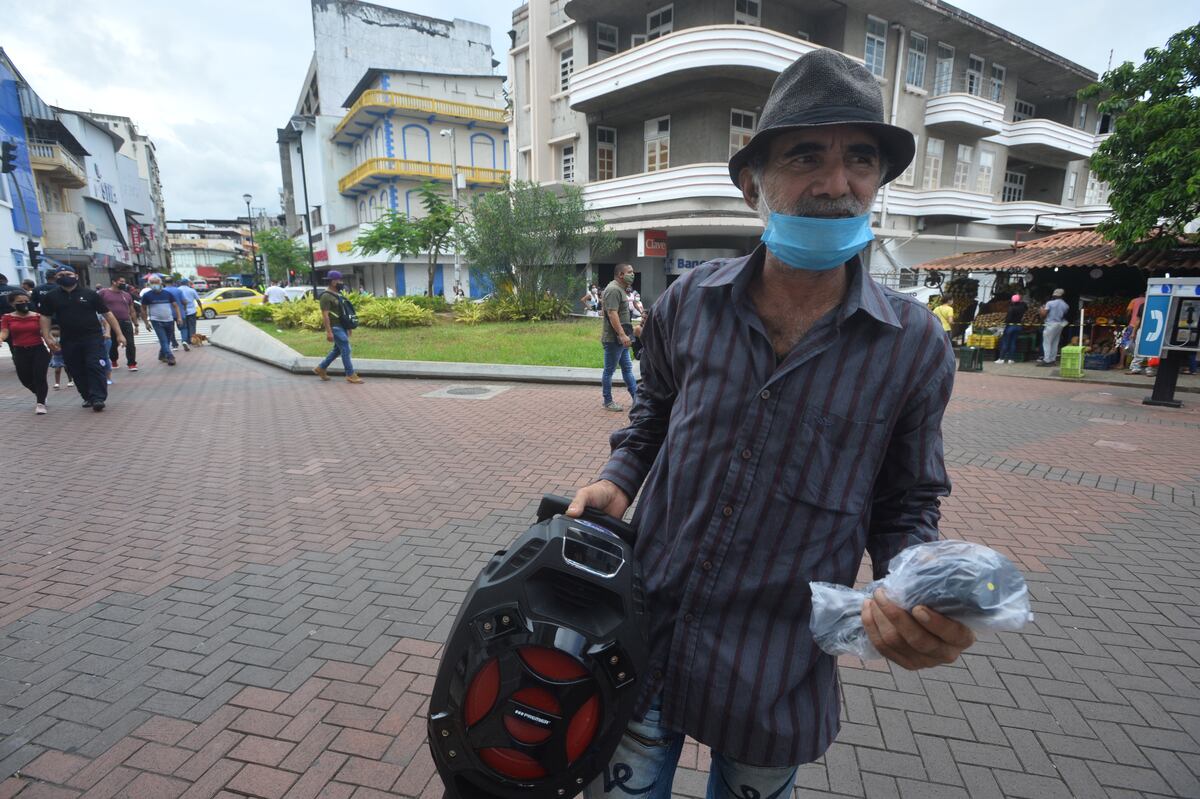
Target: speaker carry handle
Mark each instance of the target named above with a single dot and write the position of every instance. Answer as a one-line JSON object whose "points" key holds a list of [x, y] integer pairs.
{"points": [[554, 505]]}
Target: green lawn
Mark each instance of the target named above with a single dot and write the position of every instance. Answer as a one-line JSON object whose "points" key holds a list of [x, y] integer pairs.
{"points": [[574, 342]]}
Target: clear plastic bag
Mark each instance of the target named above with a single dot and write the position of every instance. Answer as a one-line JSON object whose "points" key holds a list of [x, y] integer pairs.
{"points": [[967, 582]]}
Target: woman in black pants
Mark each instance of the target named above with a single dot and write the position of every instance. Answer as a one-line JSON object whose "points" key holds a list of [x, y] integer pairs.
{"points": [[22, 329]]}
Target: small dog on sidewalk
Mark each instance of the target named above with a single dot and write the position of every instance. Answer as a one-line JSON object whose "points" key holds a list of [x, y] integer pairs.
{"points": [[198, 339]]}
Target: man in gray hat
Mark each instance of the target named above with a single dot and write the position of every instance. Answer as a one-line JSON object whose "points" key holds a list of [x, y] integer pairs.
{"points": [[1054, 321], [788, 421]]}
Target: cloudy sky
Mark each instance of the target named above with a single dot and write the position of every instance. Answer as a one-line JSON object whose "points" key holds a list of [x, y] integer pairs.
{"points": [[210, 81]]}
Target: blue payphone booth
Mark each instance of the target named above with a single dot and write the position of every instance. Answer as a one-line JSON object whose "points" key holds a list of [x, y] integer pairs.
{"points": [[1170, 331]]}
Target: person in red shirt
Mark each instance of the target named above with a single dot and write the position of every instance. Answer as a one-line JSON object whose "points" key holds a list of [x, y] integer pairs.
{"points": [[22, 329]]}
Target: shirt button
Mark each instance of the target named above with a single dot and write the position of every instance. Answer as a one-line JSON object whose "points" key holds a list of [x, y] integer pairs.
{"points": [[706, 565], [689, 618], [658, 674], [745, 454], [727, 511], [766, 394]]}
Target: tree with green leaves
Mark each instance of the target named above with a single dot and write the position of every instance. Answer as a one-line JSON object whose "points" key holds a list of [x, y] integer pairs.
{"points": [[1152, 159], [398, 235], [283, 254], [529, 239], [236, 266]]}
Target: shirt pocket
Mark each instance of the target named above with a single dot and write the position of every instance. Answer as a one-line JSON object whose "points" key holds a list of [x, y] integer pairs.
{"points": [[831, 464]]}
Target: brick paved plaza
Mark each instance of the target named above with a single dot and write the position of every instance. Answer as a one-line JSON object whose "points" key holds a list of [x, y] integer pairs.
{"points": [[235, 582]]}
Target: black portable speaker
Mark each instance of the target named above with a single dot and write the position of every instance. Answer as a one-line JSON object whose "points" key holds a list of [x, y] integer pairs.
{"points": [[538, 679]]}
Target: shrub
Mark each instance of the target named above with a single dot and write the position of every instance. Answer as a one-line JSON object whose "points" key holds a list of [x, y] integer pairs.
{"points": [[469, 313], [291, 314], [257, 313], [393, 312], [436, 303]]}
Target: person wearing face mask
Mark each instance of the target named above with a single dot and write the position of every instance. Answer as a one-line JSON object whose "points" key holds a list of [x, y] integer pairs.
{"points": [[22, 329], [335, 330], [161, 312], [788, 421], [119, 301], [615, 336], [76, 310]]}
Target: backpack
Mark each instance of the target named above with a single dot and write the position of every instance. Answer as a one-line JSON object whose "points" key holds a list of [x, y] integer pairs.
{"points": [[348, 318]]}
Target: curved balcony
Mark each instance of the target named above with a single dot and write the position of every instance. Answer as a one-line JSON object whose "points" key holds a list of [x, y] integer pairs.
{"points": [[371, 173], [692, 54], [964, 115], [938, 202], [57, 163], [696, 198], [1030, 212], [375, 103], [1046, 142]]}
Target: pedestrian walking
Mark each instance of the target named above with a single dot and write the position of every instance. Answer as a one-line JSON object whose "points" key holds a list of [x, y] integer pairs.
{"points": [[22, 329], [191, 301], [945, 314], [275, 294], [336, 314], [162, 313], [120, 303], [169, 286], [771, 448], [1054, 320], [1137, 363], [56, 359], [615, 337], [76, 309], [6, 288], [1012, 329]]}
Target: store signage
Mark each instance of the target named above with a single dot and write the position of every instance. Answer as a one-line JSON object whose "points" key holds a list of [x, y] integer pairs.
{"points": [[135, 238], [321, 256], [680, 262], [1170, 318], [345, 246], [652, 244]]}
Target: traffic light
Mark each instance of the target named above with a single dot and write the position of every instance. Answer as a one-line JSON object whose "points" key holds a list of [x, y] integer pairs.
{"points": [[291, 274], [258, 261], [35, 256], [8, 157]]}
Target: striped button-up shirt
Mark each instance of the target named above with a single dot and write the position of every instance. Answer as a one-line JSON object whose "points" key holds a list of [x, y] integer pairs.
{"points": [[759, 475]]}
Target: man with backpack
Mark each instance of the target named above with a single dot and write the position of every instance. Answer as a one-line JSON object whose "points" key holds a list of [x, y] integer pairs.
{"points": [[338, 315]]}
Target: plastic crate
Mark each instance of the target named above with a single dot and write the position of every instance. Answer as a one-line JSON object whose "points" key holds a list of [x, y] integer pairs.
{"points": [[982, 341], [1070, 362], [1097, 362], [970, 359]]}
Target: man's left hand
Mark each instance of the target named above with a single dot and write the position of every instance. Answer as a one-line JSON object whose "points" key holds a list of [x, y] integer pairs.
{"points": [[918, 640], [120, 341]]}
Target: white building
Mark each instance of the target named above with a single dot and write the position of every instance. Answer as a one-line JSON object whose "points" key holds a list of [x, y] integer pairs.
{"points": [[643, 106], [386, 96], [143, 193]]}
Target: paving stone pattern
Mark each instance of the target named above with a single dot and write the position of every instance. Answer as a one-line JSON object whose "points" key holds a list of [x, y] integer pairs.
{"points": [[235, 582]]}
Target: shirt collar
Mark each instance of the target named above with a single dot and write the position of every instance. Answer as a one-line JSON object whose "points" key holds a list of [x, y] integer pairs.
{"points": [[863, 293]]}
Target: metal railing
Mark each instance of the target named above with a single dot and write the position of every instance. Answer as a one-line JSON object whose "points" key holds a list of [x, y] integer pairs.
{"points": [[40, 149], [400, 167], [378, 98]]}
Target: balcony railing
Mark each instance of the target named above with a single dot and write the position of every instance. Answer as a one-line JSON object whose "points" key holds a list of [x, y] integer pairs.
{"points": [[965, 115], [427, 170], [985, 208], [1044, 140], [688, 182], [53, 157], [378, 99], [717, 48]]}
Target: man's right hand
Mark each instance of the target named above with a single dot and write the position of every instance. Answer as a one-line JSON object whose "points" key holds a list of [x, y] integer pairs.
{"points": [[626, 342], [603, 495], [329, 335]]}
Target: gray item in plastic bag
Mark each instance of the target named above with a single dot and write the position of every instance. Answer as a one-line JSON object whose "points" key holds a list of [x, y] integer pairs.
{"points": [[967, 582]]}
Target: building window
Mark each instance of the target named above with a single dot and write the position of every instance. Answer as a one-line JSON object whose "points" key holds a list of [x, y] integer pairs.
{"points": [[606, 153], [962, 166], [1104, 124], [658, 144], [741, 129], [1072, 177], [933, 163], [747, 12], [1023, 110], [660, 22], [566, 66], [997, 94], [607, 40], [918, 46], [568, 163], [1082, 116], [983, 175], [1097, 191], [1014, 187], [909, 175], [876, 49], [974, 75], [943, 73]]}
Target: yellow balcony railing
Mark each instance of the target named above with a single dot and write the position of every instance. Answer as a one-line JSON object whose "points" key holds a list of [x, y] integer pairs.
{"points": [[377, 98], [427, 170], [55, 159]]}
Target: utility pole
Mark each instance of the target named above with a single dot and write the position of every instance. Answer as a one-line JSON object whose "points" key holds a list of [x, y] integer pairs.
{"points": [[453, 195]]}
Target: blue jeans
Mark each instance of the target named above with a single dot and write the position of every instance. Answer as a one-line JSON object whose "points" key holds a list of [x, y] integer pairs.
{"points": [[645, 761], [188, 328], [164, 331], [614, 353], [341, 345], [1008, 342]]}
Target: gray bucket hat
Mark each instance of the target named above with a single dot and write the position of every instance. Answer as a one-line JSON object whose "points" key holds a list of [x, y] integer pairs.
{"points": [[825, 87]]}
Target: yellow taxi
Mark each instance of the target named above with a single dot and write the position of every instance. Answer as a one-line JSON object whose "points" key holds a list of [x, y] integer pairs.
{"points": [[231, 299]]}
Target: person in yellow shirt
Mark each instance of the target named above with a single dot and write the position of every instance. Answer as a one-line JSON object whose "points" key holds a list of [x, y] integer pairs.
{"points": [[945, 314]]}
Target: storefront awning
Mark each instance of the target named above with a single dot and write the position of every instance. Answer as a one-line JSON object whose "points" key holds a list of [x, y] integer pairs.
{"points": [[1083, 247]]}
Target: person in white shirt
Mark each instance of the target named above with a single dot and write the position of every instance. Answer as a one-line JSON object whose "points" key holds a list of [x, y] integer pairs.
{"points": [[275, 294], [389, 291]]}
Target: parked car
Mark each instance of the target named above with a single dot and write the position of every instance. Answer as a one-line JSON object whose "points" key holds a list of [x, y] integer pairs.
{"points": [[297, 292], [227, 300], [200, 284]]}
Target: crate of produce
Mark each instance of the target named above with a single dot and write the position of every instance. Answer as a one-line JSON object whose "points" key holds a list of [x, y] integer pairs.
{"points": [[1097, 361], [1070, 362], [982, 341]]}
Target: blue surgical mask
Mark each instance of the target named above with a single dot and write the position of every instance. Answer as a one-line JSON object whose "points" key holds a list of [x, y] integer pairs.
{"points": [[814, 243]]}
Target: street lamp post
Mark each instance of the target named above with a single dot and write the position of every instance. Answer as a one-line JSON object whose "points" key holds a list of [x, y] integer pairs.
{"points": [[298, 124], [253, 246], [453, 192]]}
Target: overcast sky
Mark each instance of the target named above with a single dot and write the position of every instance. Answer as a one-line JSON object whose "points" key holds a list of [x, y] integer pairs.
{"points": [[210, 81]]}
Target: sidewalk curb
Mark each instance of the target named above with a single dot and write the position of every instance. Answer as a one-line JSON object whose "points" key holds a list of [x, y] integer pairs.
{"points": [[241, 337], [1120, 381]]}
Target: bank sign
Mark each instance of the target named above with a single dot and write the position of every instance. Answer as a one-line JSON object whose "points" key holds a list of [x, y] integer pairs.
{"points": [[652, 244], [680, 262]]}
